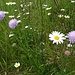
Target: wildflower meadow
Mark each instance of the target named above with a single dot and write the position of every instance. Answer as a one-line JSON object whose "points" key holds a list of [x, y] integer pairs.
{"points": [[37, 37]]}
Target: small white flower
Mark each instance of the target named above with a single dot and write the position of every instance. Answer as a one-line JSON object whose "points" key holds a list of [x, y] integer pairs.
{"points": [[27, 13], [26, 26], [19, 21], [48, 8], [14, 44], [18, 16], [11, 16], [72, 1], [60, 16], [57, 37], [17, 64], [21, 5], [49, 13], [30, 3], [62, 9], [45, 5], [69, 45], [66, 36], [15, 10], [6, 12], [30, 28], [67, 16], [11, 3], [10, 35], [24, 9]]}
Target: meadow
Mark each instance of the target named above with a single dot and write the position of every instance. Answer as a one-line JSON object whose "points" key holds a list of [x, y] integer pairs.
{"points": [[37, 37]]}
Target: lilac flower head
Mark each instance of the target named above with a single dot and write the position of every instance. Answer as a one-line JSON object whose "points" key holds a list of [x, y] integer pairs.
{"points": [[71, 36], [13, 23], [2, 15]]}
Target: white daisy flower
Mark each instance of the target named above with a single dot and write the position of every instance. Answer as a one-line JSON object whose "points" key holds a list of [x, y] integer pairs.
{"points": [[26, 26], [19, 21], [67, 16], [17, 64], [11, 16], [60, 16], [27, 13], [49, 13], [57, 37], [62, 9], [11, 3], [10, 35], [69, 45], [6, 12], [49, 8]]}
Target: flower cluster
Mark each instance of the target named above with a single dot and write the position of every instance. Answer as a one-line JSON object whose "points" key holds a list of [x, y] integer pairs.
{"points": [[12, 23], [65, 16]]}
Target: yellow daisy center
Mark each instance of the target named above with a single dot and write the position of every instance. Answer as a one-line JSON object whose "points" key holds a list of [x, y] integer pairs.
{"points": [[10, 2], [17, 65], [56, 37]]}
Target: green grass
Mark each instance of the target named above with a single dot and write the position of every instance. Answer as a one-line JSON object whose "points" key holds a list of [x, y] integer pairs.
{"points": [[35, 52]]}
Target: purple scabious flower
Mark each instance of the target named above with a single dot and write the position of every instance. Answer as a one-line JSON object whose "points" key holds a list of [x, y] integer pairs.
{"points": [[71, 36], [13, 23], [2, 15]]}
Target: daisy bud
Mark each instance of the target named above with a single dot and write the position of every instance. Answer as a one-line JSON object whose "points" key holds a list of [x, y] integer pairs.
{"points": [[17, 64]]}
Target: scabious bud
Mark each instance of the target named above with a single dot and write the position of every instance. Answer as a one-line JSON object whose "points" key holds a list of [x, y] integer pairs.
{"points": [[67, 53], [2, 15], [13, 23]]}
